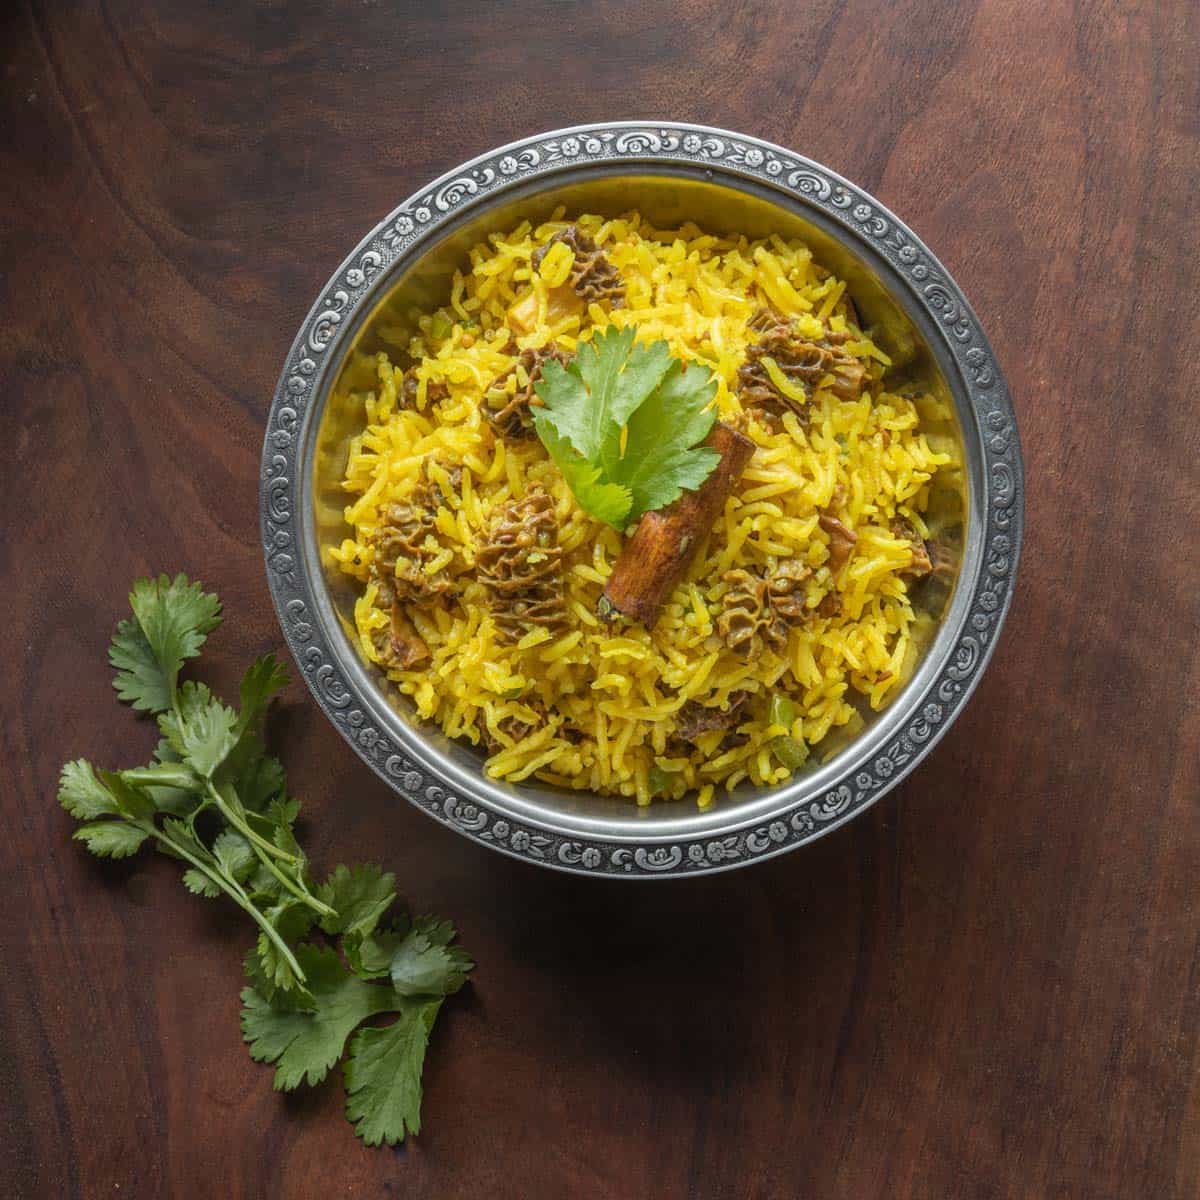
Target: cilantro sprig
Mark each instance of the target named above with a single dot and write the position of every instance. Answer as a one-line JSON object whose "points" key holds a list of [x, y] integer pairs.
{"points": [[624, 422], [327, 958]]}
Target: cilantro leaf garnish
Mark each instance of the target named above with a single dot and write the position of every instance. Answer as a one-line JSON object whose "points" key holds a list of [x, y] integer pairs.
{"points": [[213, 798], [172, 619], [426, 964], [111, 839], [305, 1043], [207, 737], [608, 502], [266, 677], [624, 422], [82, 794], [360, 896], [383, 1075]]}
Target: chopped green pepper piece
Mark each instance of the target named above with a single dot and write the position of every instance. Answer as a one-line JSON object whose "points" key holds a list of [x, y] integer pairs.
{"points": [[781, 712], [659, 781], [440, 326], [790, 752]]}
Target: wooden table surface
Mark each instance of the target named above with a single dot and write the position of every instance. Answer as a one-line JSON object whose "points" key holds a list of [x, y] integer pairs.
{"points": [[987, 986]]}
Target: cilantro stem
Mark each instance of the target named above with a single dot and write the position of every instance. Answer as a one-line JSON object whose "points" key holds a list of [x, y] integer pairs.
{"points": [[259, 845], [300, 892], [242, 826], [232, 889], [227, 810]]}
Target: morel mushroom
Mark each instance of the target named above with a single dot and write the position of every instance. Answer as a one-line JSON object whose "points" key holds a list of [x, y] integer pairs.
{"points": [[831, 605], [786, 601], [592, 276], [520, 566], [512, 416], [800, 362], [757, 609], [402, 550], [742, 611]]}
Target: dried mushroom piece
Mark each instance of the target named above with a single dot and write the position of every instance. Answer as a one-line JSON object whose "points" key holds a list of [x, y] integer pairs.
{"points": [[742, 609], [842, 540], [514, 727], [696, 718], [831, 605], [922, 560], [405, 544], [520, 564], [512, 415], [799, 364], [400, 646], [760, 610], [435, 389], [786, 600], [592, 276]]}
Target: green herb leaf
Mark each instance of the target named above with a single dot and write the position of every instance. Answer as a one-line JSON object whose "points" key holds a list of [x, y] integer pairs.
{"points": [[131, 801], [426, 964], [662, 405], [179, 836], [172, 619], [440, 932], [383, 1075], [291, 919], [361, 895], [663, 455], [82, 794], [254, 779], [111, 839], [235, 854], [139, 681], [192, 698], [305, 1043], [283, 837], [302, 1003], [607, 502], [260, 781], [199, 884], [370, 957], [602, 386], [208, 734], [283, 812], [265, 677]]}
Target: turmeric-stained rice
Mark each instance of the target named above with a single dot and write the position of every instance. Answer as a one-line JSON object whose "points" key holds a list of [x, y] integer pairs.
{"points": [[576, 700]]}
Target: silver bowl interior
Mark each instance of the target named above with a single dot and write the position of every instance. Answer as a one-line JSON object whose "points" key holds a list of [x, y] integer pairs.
{"points": [[667, 195]]}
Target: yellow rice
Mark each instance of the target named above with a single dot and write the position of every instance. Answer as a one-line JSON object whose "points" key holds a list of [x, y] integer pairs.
{"points": [[613, 693]]}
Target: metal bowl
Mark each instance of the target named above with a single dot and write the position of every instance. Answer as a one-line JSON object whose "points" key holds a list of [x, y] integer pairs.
{"points": [[725, 182]]}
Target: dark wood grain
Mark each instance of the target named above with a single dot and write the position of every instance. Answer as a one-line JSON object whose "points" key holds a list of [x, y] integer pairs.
{"points": [[986, 987]]}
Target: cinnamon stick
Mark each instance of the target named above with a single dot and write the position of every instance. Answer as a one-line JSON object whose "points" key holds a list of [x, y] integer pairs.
{"points": [[655, 559]]}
